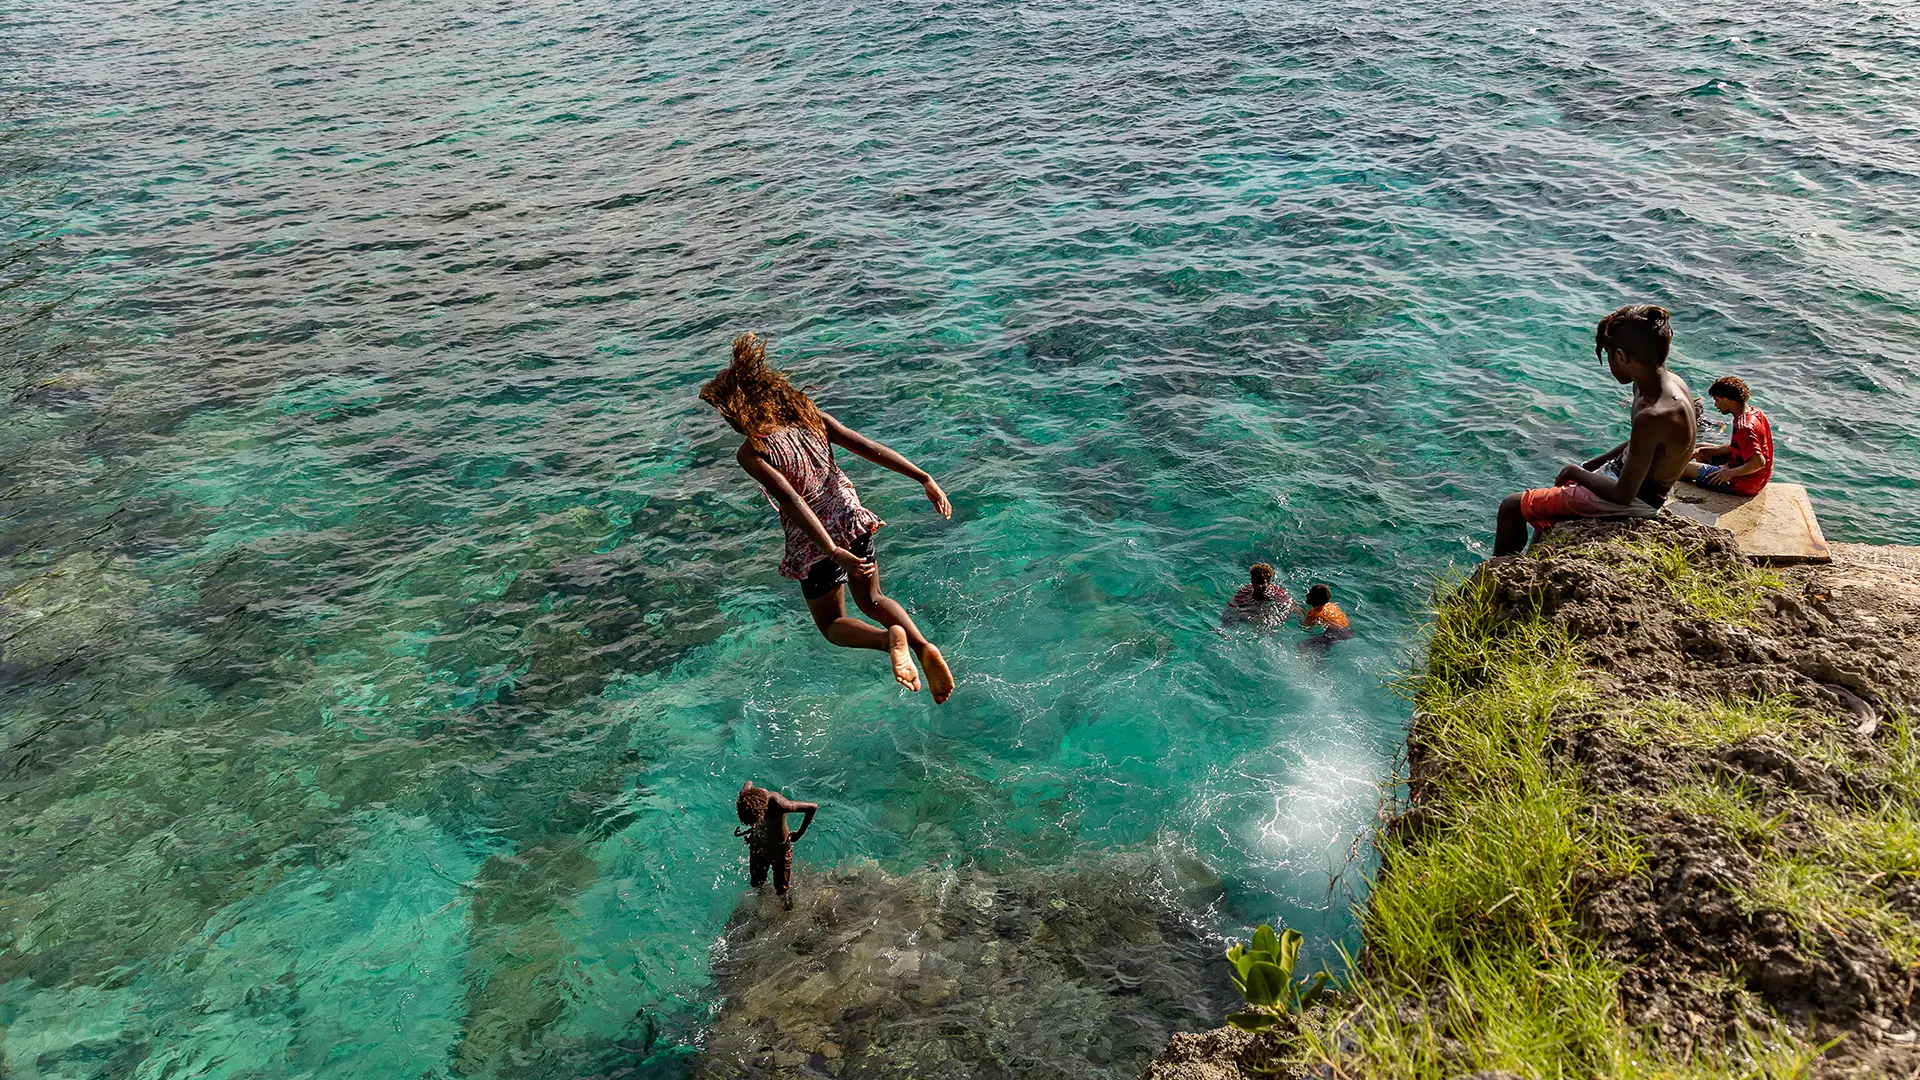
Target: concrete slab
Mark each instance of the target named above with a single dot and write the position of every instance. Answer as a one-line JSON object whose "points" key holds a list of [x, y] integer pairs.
{"points": [[1885, 577], [1881, 584], [1776, 526]]}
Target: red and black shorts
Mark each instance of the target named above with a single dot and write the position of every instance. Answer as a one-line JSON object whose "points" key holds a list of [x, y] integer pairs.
{"points": [[1544, 506]]}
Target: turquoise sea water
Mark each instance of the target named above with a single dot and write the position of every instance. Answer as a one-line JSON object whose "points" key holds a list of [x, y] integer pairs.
{"points": [[386, 627]]}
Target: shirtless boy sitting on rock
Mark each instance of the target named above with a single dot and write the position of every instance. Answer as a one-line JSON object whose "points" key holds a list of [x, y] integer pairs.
{"points": [[1634, 342]]}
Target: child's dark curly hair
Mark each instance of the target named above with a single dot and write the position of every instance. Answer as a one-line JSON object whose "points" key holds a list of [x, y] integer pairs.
{"points": [[752, 803], [1731, 387], [1261, 573], [758, 397], [1318, 595]]}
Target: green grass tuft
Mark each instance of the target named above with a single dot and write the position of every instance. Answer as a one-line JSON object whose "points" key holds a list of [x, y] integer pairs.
{"points": [[1714, 724], [1903, 754], [1480, 902], [1730, 598], [1732, 805], [1881, 845], [1837, 880], [1814, 895]]}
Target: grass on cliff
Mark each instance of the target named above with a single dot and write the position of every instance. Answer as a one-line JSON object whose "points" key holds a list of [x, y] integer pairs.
{"points": [[1825, 866], [1903, 758], [1676, 722], [1716, 594], [1821, 866], [1473, 960]]}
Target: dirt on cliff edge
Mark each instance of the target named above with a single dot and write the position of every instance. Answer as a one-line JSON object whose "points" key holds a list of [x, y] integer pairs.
{"points": [[1760, 751]]}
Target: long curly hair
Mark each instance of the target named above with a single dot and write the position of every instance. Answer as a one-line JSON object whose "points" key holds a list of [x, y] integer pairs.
{"points": [[751, 805], [758, 397]]}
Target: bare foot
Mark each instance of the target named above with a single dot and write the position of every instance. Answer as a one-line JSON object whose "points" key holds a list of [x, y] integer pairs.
{"points": [[939, 678], [902, 657]]}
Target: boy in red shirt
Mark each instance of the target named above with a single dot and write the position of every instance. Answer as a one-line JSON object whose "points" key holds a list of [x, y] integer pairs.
{"points": [[1744, 465]]}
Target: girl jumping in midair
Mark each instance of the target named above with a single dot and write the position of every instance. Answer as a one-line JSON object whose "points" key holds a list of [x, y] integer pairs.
{"points": [[789, 450]]}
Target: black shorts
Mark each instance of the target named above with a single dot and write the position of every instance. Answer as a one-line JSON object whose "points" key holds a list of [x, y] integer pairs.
{"points": [[826, 575], [781, 863]]}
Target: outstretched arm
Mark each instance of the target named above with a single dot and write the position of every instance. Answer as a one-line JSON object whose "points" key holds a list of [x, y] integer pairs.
{"points": [[795, 508], [887, 458], [787, 806]]}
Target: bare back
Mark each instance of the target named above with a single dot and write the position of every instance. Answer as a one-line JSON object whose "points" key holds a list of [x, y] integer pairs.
{"points": [[769, 834]]}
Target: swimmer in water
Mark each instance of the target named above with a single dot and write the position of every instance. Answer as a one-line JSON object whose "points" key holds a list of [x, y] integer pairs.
{"points": [[789, 451], [1260, 601], [1323, 612]]}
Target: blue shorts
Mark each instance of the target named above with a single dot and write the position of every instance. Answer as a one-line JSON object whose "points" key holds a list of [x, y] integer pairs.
{"points": [[1708, 479], [1710, 473]]}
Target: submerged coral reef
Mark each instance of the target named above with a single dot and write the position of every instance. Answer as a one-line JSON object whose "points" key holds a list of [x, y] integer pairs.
{"points": [[963, 973]]}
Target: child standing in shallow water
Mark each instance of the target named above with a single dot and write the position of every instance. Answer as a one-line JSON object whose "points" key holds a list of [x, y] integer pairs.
{"points": [[789, 451], [763, 819]]}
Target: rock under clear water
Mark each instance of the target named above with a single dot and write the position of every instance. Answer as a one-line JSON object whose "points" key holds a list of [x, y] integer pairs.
{"points": [[1076, 972]]}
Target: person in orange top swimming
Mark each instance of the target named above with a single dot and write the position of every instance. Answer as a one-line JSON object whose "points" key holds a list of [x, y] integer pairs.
{"points": [[1323, 612]]}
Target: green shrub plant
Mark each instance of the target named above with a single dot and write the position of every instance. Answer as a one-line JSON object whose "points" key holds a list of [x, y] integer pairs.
{"points": [[1263, 973]]}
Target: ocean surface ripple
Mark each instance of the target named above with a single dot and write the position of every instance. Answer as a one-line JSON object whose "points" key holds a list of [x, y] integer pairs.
{"points": [[384, 627]]}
